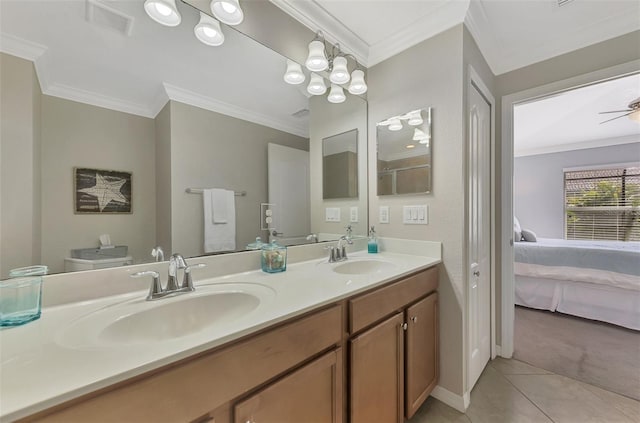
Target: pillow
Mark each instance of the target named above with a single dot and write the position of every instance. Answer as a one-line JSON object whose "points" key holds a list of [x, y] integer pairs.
{"points": [[529, 236], [517, 231]]}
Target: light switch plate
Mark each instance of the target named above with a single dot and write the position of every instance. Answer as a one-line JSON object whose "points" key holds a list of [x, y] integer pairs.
{"points": [[415, 215], [353, 214], [383, 214], [332, 214]]}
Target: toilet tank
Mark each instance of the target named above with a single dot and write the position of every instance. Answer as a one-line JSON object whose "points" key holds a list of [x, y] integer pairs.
{"points": [[97, 258]]}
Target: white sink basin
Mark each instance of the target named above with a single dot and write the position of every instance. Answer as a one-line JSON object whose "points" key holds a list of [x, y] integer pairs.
{"points": [[363, 267], [143, 322]]}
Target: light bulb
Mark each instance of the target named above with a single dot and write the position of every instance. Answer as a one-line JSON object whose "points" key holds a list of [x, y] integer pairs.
{"points": [[316, 85], [340, 73], [293, 74], [228, 7], [227, 11], [415, 118], [164, 12], [395, 124], [316, 60], [208, 31], [162, 9], [357, 86], [336, 95]]}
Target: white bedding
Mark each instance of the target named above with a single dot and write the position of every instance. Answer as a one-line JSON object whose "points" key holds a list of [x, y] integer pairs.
{"points": [[597, 280]]}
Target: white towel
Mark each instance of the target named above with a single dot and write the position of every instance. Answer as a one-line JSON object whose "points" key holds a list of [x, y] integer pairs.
{"points": [[219, 236], [220, 204]]}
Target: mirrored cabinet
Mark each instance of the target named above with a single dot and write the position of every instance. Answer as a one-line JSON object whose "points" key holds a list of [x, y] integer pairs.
{"points": [[404, 153]]}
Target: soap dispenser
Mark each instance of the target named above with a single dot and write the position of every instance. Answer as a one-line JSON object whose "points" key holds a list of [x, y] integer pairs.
{"points": [[372, 245]]}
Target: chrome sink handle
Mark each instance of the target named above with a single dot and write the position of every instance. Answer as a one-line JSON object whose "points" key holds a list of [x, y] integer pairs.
{"points": [[156, 286], [187, 282]]}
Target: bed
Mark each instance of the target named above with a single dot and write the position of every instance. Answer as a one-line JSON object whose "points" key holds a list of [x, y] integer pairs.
{"points": [[598, 280]]}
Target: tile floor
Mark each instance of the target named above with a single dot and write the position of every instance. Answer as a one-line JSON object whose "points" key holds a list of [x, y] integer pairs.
{"points": [[513, 391]]}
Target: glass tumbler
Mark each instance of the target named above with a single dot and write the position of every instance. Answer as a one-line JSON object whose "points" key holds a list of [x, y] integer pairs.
{"points": [[21, 295]]}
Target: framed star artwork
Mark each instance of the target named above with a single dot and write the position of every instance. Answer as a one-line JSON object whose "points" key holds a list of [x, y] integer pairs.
{"points": [[97, 191]]}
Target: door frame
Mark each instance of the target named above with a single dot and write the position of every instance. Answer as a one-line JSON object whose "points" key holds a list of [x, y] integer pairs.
{"points": [[506, 250], [474, 81]]}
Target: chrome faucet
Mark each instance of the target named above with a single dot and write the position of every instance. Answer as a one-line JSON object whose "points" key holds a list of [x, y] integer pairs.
{"points": [[312, 237], [339, 252], [176, 262], [157, 253]]}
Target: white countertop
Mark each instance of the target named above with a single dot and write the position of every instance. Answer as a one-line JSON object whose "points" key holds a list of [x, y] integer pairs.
{"points": [[39, 369]]}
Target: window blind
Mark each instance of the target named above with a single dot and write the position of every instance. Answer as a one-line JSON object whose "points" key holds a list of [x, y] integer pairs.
{"points": [[603, 204]]}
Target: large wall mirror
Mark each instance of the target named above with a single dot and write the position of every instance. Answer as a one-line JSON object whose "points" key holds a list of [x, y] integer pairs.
{"points": [[404, 153], [129, 95], [340, 165]]}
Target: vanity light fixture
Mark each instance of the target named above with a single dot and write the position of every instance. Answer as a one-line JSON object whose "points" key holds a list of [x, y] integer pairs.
{"points": [[293, 75], [316, 85], [164, 12], [227, 11], [336, 95], [336, 63], [208, 31]]}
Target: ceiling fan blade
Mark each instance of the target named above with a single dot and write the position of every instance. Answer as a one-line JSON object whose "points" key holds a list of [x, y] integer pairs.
{"points": [[616, 111], [617, 117]]}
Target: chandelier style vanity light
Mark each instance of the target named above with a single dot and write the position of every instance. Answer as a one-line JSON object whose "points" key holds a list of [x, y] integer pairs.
{"points": [[208, 29], [335, 63]]}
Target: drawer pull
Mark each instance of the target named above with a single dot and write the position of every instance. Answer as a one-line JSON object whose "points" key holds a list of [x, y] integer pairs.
{"points": [[414, 319]]}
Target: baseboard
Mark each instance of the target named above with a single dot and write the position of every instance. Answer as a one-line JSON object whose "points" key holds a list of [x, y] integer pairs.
{"points": [[458, 402]]}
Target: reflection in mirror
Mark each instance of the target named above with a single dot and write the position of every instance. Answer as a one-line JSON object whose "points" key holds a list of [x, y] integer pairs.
{"points": [[152, 102], [404, 153], [340, 165]]}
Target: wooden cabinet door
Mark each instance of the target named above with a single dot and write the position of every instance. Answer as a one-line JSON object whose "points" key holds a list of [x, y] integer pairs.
{"points": [[310, 394], [377, 373], [421, 352]]}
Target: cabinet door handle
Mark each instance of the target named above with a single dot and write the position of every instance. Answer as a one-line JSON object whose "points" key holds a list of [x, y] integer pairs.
{"points": [[404, 326], [414, 319]]}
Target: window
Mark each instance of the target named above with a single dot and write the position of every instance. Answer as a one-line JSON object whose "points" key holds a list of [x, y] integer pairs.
{"points": [[602, 204]]}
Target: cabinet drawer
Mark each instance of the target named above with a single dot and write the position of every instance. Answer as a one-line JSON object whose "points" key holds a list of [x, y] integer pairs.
{"points": [[184, 391], [371, 307]]}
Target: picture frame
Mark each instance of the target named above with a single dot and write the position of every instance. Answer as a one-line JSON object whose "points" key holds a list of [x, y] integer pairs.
{"points": [[100, 191]]}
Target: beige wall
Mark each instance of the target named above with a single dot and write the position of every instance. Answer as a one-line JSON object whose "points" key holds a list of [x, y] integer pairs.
{"points": [[211, 150], [19, 164], [430, 74], [326, 120], [80, 135], [163, 179]]}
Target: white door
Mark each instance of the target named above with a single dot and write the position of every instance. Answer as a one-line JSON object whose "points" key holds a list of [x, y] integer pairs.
{"points": [[479, 282], [289, 192]]}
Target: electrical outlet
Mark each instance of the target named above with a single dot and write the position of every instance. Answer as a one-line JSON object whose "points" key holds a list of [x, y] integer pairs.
{"points": [[383, 214], [332, 214]]}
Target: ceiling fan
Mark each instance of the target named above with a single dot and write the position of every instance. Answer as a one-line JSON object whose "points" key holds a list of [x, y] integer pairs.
{"points": [[633, 110]]}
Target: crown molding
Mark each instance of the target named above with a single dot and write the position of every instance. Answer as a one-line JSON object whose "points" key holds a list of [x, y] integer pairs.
{"points": [[606, 142], [95, 99], [477, 23], [316, 18], [194, 99], [446, 16], [19, 47]]}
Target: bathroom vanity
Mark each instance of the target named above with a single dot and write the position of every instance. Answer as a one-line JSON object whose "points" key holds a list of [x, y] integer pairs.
{"points": [[358, 345]]}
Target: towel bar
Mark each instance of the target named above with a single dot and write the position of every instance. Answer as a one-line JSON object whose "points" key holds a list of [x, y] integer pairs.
{"points": [[199, 191]]}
